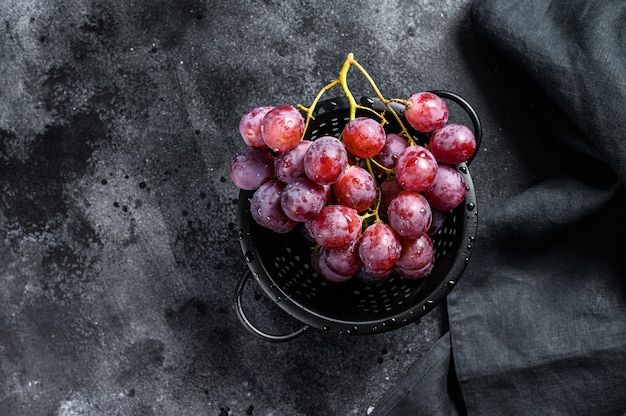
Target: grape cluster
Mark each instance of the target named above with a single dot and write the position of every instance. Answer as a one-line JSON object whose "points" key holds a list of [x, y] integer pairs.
{"points": [[369, 200]]}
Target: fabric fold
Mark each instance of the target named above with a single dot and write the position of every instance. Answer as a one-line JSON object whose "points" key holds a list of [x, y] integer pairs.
{"points": [[428, 379], [538, 321]]}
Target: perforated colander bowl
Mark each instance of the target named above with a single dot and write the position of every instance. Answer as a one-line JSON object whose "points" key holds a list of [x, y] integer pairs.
{"points": [[280, 263]]}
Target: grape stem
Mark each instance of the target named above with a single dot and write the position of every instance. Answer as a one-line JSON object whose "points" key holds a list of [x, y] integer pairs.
{"points": [[342, 82]]}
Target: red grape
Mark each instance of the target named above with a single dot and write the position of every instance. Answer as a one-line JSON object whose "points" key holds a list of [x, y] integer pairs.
{"points": [[448, 190], [343, 260], [394, 145], [266, 210], [363, 137], [379, 248], [329, 274], [251, 167], [355, 189], [325, 160], [409, 214], [416, 253], [426, 112], [303, 198], [282, 128], [336, 226], [250, 126], [289, 165], [414, 274], [416, 169], [452, 144]]}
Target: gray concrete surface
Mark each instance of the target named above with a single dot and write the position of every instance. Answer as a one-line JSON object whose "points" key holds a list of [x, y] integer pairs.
{"points": [[119, 252]]}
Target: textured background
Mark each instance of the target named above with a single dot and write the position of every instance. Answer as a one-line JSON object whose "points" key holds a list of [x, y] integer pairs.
{"points": [[119, 252]]}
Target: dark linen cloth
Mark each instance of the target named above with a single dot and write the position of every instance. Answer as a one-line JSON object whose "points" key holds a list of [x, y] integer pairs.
{"points": [[538, 321]]}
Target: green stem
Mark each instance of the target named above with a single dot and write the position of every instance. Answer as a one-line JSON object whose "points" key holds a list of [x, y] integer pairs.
{"points": [[381, 167], [311, 108], [343, 81]]}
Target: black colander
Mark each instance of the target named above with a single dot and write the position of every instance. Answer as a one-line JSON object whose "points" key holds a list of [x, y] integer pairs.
{"points": [[280, 263]]}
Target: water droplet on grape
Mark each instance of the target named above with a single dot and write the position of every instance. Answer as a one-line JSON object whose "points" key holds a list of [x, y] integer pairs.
{"points": [[471, 206], [463, 169], [249, 255]]}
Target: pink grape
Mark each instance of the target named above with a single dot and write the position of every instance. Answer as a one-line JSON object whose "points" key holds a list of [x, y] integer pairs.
{"points": [[452, 144], [409, 214], [380, 248], [364, 137], [355, 189], [336, 226], [343, 260], [266, 210], [394, 145], [426, 112], [250, 126], [448, 190], [251, 167], [302, 199], [289, 165], [282, 128], [325, 160], [416, 253], [416, 169]]}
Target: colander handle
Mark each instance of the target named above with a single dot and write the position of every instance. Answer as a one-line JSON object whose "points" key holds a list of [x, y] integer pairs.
{"points": [[478, 131], [250, 326]]}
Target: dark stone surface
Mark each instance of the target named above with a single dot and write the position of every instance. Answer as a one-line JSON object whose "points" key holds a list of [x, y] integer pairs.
{"points": [[119, 253]]}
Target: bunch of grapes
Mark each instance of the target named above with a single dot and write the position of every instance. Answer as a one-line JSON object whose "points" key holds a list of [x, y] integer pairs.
{"points": [[369, 200]]}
